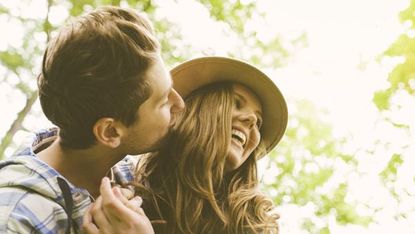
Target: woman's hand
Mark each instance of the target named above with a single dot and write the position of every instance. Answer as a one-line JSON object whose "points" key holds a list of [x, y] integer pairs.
{"points": [[113, 213]]}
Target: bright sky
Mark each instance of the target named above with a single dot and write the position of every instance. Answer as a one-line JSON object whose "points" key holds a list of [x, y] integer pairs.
{"points": [[337, 71]]}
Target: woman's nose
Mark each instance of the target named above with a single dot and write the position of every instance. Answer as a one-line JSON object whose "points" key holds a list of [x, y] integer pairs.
{"points": [[249, 119]]}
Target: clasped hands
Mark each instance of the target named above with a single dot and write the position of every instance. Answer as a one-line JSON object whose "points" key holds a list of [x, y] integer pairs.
{"points": [[116, 211]]}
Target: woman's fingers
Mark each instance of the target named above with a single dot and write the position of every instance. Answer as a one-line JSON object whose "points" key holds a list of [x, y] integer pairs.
{"points": [[88, 224], [134, 203], [106, 190], [119, 194], [113, 202], [90, 228], [101, 216], [127, 193]]}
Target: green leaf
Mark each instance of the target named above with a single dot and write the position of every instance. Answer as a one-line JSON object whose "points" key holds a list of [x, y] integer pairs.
{"points": [[12, 60]]}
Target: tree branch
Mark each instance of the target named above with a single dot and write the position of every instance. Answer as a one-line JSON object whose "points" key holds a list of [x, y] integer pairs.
{"points": [[17, 124], [31, 98]]}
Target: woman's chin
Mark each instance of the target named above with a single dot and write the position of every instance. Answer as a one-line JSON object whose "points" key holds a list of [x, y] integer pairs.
{"points": [[234, 159]]}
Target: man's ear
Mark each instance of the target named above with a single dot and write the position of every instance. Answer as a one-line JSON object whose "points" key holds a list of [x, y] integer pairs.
{"points": [[108, 132]]}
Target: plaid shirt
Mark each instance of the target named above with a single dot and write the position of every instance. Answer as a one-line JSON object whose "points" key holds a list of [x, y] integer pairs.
{"points": [[32, 197]]}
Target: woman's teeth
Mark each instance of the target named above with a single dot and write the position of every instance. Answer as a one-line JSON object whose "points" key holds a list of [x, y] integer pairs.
{"points": [[239, 136]]}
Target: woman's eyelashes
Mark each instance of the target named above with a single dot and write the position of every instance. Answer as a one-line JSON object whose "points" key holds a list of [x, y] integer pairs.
{"points": [[238, 103], [259, 122]]}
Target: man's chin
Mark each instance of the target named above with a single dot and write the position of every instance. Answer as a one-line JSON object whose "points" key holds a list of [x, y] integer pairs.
{"points": [[156, 146], [159, 144]]}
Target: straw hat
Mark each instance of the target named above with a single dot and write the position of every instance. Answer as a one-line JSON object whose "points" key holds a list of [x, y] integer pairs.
{"points": [[198, 72]]}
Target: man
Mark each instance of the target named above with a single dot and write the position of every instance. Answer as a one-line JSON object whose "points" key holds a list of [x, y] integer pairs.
{"points": [[104, 84]]}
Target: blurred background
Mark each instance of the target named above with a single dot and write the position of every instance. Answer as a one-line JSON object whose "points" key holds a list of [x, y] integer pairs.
{"points": [[347, 68]]}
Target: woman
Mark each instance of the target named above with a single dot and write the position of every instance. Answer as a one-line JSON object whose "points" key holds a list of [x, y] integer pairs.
{"points": [[204, 178]]}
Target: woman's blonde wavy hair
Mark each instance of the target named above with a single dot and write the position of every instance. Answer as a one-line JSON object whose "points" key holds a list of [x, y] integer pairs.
{"points": [[189, 189]]}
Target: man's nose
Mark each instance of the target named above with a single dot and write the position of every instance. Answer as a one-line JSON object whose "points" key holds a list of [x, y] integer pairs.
{"points": [[178, 103]]}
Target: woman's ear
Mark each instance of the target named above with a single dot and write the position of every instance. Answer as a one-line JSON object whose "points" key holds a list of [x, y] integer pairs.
{"points": [[107, 132]]}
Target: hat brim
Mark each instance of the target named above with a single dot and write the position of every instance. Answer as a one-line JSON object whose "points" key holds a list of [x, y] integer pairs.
{"points": [[199, 72]]}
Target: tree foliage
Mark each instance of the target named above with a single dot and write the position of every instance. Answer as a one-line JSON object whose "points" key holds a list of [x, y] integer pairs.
{"points": [[402, 76], [307, 160], [401, 80]]}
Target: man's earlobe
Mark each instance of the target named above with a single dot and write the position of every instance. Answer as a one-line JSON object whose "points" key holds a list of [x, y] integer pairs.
{"points": [[107, 133]]}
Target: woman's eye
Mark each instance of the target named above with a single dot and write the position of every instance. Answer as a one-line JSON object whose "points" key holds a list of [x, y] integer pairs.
{"points": [[259, 123], [237, 103]]}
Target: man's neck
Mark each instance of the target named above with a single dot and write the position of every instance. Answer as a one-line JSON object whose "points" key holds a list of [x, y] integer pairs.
{"points": [[82, 167]]}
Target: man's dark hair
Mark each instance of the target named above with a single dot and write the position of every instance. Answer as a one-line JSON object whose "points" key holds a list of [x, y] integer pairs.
{"points": [[96, 67]]}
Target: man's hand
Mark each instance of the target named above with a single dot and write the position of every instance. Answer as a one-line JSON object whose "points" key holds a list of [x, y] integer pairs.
{"points": [[113, 213]]}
